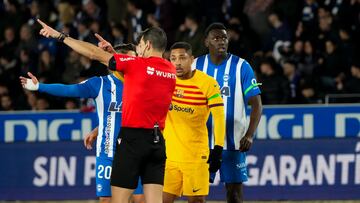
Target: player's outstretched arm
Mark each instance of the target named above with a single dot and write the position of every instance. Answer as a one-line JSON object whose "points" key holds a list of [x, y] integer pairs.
{"points": [[90, 138], [76, 90], [255, 115], [84, 48]]}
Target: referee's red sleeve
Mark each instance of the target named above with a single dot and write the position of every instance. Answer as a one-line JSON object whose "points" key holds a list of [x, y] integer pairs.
{"points": [[120, 62]]}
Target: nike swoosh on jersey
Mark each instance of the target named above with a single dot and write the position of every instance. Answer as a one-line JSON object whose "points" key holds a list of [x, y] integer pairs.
{"points": [[195, 190]]}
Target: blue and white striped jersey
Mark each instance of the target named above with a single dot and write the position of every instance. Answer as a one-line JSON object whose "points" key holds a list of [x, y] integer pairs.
{"points": [[108, 107], [107, 92], [238, 83]]}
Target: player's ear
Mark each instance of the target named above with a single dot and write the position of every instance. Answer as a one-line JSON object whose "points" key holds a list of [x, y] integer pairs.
{"points": [[148, 45]]}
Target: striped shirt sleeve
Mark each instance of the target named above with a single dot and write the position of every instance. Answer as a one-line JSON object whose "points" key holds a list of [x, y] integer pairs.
{"points": [[250, 86]]}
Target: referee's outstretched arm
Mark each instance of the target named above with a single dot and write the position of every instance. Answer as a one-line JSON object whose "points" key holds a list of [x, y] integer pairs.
{"points": [[84, 48]]}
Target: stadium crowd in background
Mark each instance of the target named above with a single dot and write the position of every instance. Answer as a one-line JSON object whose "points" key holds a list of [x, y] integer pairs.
{"points": [[300, 50]]}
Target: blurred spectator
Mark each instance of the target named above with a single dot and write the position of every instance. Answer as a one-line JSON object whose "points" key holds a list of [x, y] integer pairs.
{"points": [[275, 87], [309, 61], [66, 15], [72, 68], [27, 62], [352, 84], [6, 103], [232, 11], [34, 12], [3, 90], [27, 39], [119, 34], [326, 29], [279, 32], [9, 68], [281, 51], [290, 72], [298, 51], [332, 70], [164, 17], [212, 11], [91, 12], [95, 27], [137, 19], [31, 100], [309, 13], [12, 16], [290, 10], [46, 73], [348, 14], [308, 93], [83, 30], [42, 103], [240, 43], [10, 43], [116, 11], [87, 105], [346, 48], [299, 32], [71, 104], [333, 6], [257, 12], [192, 32]]}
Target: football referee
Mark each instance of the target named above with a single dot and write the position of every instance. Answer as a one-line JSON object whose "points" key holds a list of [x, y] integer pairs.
{"points": [[148, 88]]}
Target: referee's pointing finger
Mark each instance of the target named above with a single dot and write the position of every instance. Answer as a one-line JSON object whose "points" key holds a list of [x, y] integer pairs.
{"points": [[41, 22], [99, 37]]}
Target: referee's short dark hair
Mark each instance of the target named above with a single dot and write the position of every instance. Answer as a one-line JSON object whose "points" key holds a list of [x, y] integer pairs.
{"points": [[182, 45], [156, 36], [124, 48], [214, 26]]}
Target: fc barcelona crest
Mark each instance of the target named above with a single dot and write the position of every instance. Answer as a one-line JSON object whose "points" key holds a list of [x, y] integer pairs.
{"points": [[179, 93]]}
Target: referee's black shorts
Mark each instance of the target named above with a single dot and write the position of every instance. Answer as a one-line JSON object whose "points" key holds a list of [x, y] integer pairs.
{"points": [[137, 155]]}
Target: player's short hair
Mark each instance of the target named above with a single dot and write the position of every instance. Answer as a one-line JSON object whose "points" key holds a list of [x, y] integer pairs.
{"points": [[182, 45], [214, 26], [124, 48], [156, 36]]}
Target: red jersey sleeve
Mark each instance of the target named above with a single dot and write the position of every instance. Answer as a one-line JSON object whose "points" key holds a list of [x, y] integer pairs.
{"points": [[120, 62]]}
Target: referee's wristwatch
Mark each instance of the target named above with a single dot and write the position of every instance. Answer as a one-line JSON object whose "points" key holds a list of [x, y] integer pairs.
{"points": [[62, 36]]}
